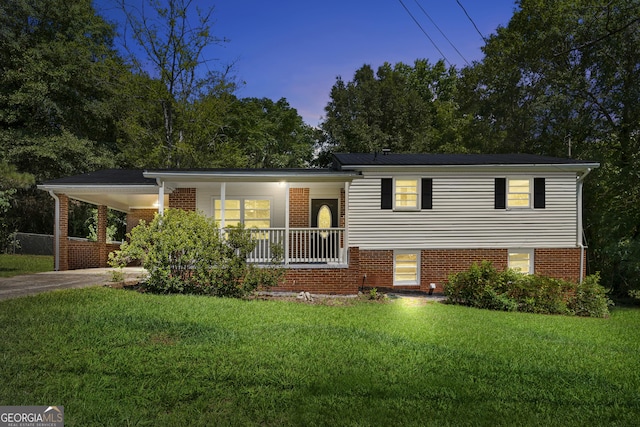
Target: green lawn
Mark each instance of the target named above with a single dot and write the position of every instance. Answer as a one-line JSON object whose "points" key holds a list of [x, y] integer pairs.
{"points": [[118, 358], [13, 265]]}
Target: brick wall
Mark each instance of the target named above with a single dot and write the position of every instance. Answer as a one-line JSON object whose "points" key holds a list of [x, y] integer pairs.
{"points": [[84, 254], [378, 266], [299, 210], [436, 265], [136, 215], [559, 263], [345, 281], [183, 198], [342, 209], [63, 258]]}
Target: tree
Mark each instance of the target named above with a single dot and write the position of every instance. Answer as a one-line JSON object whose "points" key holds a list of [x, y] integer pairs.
{"points": [[404, 108], [59, 69], [172, 75], [10, 181], [271, 134], [58, 86]]}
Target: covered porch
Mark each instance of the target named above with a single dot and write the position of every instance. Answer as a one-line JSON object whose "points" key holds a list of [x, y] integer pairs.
{"points": [[296, 217]]}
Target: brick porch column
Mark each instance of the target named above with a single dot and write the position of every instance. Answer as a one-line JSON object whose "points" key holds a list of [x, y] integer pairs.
{"points": [[61, 234], [102, 236]]}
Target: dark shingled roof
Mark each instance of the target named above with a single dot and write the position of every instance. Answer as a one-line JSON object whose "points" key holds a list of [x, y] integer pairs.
{"points": [[395, 159], [106, 177]]}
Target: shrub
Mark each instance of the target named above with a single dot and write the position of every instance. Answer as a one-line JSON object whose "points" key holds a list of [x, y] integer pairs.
{"points": [[468, 287], [590, 298], [482, 286], [185, 252]]}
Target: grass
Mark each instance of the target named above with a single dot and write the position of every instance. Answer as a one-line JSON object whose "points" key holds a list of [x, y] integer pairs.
{"points": [[120, 358], [14, 265]]}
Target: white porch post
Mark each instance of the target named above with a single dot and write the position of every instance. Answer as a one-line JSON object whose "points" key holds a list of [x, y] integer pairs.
{"points": [[223, 196], [345, 237], [161, 199], [286, 223]]}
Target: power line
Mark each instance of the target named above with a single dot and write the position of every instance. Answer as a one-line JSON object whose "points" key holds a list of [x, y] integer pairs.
{"points": [[443, 34], [470, 19], [424, 32]]}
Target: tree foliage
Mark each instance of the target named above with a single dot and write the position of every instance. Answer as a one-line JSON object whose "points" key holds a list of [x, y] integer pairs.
{"points": [[183, 111], [10, 181], [59, 69], [404, 108], [271, 134], [58, 87], [173, 61]]}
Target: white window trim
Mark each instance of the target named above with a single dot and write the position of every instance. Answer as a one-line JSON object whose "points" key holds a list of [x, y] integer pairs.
{"points": [[418, 193], [521, 178], [528, 251], [418, 255], [242, 199]]}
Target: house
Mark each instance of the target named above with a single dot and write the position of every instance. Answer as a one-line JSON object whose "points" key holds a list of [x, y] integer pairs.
{"points": [[391, 221]]}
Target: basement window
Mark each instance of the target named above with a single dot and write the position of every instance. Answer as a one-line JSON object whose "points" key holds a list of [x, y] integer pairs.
{"points": [[406, 268], [521, 260]]}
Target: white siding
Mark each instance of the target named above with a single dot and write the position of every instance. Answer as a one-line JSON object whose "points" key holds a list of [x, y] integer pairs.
{"points": [[463, 215]]}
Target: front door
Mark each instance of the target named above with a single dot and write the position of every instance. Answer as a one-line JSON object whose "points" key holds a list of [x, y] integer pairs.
{"points": [[324, 215]]}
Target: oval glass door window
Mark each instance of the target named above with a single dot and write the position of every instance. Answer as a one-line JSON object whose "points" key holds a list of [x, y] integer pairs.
{"points": [[324, 219]]}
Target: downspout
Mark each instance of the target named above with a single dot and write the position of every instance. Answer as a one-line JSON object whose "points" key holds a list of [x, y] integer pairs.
{"points": [[56, 261], [579, 230]]}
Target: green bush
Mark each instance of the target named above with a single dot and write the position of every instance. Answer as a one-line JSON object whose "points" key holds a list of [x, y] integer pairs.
{"points": [[483, 286], [185, 252], [590, 298]]}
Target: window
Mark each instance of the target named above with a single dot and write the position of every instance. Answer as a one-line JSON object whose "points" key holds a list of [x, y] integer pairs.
{"points": [[516, 193], [521, 260], [406, 193], [406, 268], [253, 213]]}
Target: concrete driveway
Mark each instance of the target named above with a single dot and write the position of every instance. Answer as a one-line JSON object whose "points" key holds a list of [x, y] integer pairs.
{"points": [[31, 284]]}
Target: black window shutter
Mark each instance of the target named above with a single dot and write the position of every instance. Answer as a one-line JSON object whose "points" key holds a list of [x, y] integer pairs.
{"points": [[427, 193], [539, 199], [386, 196], [501, 193]]}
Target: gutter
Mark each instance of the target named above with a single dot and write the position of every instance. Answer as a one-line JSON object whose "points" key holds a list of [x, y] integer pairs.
{"points": [[56, 262], [563, 167]]}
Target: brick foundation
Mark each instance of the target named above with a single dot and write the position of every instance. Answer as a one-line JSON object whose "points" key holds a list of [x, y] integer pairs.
{"points": [[339, 280], [437, 264], [559, 263]]}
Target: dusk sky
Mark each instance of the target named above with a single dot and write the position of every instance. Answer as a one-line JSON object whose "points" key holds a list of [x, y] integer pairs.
{"points": [[296, 49]]}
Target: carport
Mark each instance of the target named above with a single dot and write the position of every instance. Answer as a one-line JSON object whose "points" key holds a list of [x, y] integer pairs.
{"points": [[124, 190]]}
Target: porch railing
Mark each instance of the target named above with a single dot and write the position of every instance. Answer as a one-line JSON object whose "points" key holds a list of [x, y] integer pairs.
{"points": [[300, 246]]}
